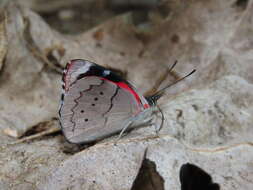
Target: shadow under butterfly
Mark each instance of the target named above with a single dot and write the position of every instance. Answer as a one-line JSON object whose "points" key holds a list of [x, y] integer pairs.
{"points": [[97, 103], [194, 178]]}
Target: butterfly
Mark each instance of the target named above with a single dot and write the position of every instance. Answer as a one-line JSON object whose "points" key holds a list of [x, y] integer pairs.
{"points": [[96, 102], [194, 178]]}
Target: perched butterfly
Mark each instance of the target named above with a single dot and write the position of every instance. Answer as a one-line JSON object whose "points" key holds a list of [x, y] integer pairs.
{"points": [[194, 178], [96, 102]]}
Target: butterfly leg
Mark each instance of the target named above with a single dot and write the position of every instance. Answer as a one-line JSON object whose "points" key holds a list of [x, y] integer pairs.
{"points": [[138, 120], [158, 127], [162, 119], [128, 124]]}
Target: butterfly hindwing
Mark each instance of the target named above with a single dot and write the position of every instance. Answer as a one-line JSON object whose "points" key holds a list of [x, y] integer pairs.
{"points": [[94, 104]]}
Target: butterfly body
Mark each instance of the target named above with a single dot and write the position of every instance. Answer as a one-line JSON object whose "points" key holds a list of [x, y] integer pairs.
{"points": [[96, 102]]}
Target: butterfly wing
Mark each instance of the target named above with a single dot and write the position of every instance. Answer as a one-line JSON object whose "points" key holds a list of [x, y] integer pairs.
{"points": [[95, 102]]}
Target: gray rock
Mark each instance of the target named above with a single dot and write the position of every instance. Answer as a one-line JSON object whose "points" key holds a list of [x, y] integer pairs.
{"points": [[220, 114], [104, 167], [30, 91], [24, 165]]}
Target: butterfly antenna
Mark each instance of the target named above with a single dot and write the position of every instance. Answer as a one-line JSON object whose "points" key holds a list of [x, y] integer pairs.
{"points": [[153, 98], [160, 80], [172, 66]]}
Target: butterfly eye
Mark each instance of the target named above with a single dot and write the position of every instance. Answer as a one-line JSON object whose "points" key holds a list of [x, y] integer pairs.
{"points": [[82, 111], [86, 120]]}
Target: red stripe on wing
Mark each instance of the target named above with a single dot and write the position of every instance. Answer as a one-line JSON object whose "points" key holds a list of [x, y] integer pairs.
{"points": [[129, 89]]}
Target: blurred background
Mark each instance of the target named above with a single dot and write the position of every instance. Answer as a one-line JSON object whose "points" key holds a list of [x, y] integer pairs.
{"points": [[77, 16]]}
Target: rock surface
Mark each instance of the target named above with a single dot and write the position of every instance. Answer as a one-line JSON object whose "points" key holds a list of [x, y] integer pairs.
{"points": [[208, 117], [29, 89]]}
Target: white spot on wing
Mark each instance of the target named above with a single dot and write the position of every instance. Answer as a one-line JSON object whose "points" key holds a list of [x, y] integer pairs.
{"points": [[106, 72], [81, 70]]}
